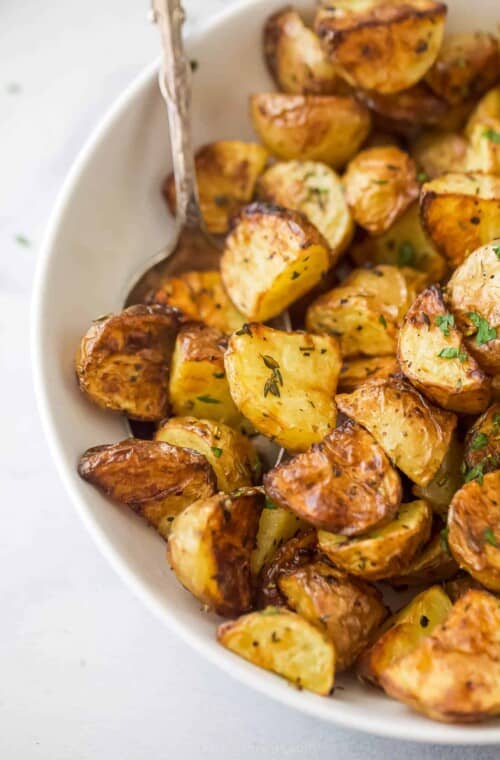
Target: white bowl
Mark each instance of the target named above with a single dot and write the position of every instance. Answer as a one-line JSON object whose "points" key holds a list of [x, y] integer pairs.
{"points": [[110, 216]]}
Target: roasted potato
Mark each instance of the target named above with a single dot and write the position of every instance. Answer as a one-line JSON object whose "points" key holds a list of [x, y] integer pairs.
{"points": [[382, 46], [153, 478], [461, 212], [436, 152], [359, 370], [314, 189], [272, 257], [482, 443], [328, 128], [292, 554], [447, 480], [346, 609], [460, 584], [345, 484], [123, 361], [381, 552], [380, 184], [276, 526], [474, 527], [209, 549], [454, 674], [404, 111], [226, 172], [432, 564], [413, 433], [284, 643], [365, 312], [483, 131], [284, 383], [432, 355]]}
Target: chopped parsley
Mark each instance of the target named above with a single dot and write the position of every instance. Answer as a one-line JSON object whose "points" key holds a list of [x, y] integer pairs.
{"points": [[489, 536], [406, 254], [452, 353], [492, 134], [476, 473], [479, 441], [383, 321], [444, 322], [496, 251], [443, 540], [270, 504], [272, 384], [485, 333], [496, 422], [216, 451], [208, 399], [422, 177]]}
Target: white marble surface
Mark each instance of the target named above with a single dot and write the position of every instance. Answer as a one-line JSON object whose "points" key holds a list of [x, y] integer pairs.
{"points": [[85, 671]]}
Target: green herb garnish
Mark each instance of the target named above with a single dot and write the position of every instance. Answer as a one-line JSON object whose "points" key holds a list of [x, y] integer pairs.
{"points": [[422, 177], [406, 254], [476, 473], [383, 321], [270, 504], [444, 322], [452, 353], [489, 536], [492, 134], [216, 451], [479, 441], [272, 384], [443, 540], [208, 399], [485, 333]]}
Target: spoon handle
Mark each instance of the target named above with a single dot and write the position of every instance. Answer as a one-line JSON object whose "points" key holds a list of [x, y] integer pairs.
{"points": [[175, 86]]}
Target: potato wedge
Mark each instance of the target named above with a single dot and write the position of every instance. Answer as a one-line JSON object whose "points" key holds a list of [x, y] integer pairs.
{"points": [[483, 131], [382, 46], [381, 552], [284, 383], [460, 584], [454, 674], [276, 526], [474, 528], [461, 212], [226, 172], [345, 484], [359, 370], [447, 480], [437, 152], [346, 609], [153, 478], [433, 563], [272, 257], [123, 361], [284, 643], [328, 128], [292, 554], [433, 357], [415, 434], [482, 443], [314, 189], [403, 111], [209, 549]]}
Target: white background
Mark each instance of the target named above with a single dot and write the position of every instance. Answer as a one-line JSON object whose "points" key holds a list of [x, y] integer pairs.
{"points": [[85, 671]]}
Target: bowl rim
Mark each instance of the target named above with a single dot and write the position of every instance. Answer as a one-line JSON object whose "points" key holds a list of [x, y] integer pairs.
{"points": [[338, 713]]}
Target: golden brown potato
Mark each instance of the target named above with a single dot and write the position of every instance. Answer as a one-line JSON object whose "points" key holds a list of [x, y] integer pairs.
{"points": [[328, 128], [432, 564], [284, 383], [433, 357], [123, 361], [454, 674], [292, 554], [284, 643], [461, 212], [482, 443], [380, 184], [381, 552], [403, 632], [458, 586], [366, 311], [495, 387], [209, 549], [413, 433], [346, 609], [474, 527], [359, 370], [345, 484], [483, 131], [276, 526], [403, 111], [153, 478], [226, 172], [272, 257], [314, 189], [382, 46], [437, 152], [467, 64], [447, 480]]}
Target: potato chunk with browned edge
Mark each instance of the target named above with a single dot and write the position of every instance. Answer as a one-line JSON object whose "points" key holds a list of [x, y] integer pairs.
{"points": [[432, 564], [276, 526], [359, 370], [440, 490], [483, 131], [402, 112], [294, 553], [482, 443], [437, 152]]}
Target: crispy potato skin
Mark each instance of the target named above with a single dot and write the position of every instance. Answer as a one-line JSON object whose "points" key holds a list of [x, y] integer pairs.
{"points": [[380, 185], [153, 478], [432, 564], [474, 529], [209, 549], [447, 480], [414, 434], [386, 47], [457, 384], [345, 484], [226, 172], [438, 152], [403, 110], [484, 122], [284, 643], [328, 128], [458, 586], [359, 370], [293, 554], [123, 361], [482, 442], [454, 674]]}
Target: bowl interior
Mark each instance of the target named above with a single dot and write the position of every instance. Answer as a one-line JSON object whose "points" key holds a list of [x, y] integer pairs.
{"points": [[109, 219]]}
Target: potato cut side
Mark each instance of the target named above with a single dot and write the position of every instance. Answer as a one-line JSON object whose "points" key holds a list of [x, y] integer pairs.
{"points": [[284, 383], [433, 563], [483, 131], [482, 443], [359, 370], [294, 553], [276, 526], [439, 152], [284, 643], [447, 480], [345, 484], [226, 172]]}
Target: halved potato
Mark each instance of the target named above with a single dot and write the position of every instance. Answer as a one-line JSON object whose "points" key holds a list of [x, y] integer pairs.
{"points": [[346, 609], [380, 184], [483, 131], [314, 189], [474, 528], [123, 361], [379, 45], [328, 128], [294, 553], [284, 383], [432, 564], [454, 674], [153, 478], [482, 443], [272, 256], [447, 480], [276, 526], [226, 172], [345, 484], [461, 212], [359, 370], [284, 643], [209, 549], [401, 112], [415, 434], [437, 152]]}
